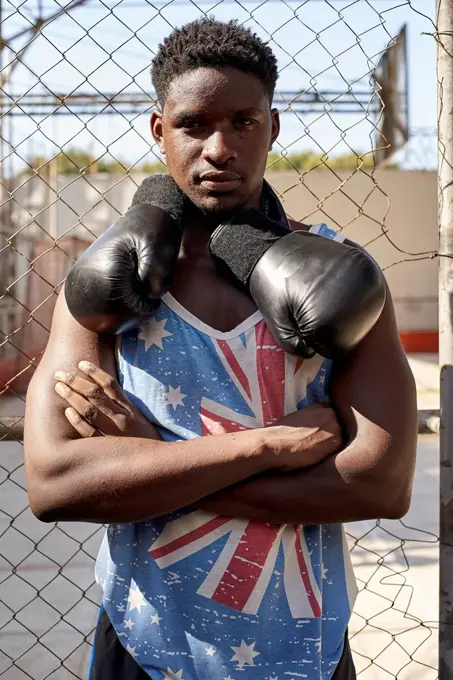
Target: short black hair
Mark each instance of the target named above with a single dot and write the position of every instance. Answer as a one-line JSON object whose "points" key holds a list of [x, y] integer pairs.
{"points": [[210, 43]]}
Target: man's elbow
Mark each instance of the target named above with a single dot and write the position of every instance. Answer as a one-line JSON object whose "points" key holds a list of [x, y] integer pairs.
{"points": [[41, 508], [46, 498], [397, 507], [58, 505], [384, 485], [386, 499], [46, 488], [40, 490]]}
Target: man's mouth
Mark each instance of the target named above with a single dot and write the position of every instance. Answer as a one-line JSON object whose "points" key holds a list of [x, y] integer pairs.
{"points": [[220, 182]]}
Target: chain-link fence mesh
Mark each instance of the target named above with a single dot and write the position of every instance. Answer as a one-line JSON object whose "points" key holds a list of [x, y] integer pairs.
{"points": [[74, 110]]}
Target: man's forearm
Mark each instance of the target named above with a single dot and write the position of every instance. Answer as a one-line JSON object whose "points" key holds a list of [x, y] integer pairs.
{"points": [[121, 479], [332, 491], [128, 479]]}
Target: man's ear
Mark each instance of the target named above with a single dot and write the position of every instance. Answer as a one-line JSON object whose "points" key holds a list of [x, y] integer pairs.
{"points": [[275, 129], [157, 131]]}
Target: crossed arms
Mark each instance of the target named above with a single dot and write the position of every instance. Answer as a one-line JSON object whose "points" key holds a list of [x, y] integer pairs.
{"points": [[298, 471]]}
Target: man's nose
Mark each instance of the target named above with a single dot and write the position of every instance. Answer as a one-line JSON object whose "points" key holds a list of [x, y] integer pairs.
{"points": [[218, 148]]}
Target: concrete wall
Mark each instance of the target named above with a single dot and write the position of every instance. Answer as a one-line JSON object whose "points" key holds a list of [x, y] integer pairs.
{"points": [[403, 204]]}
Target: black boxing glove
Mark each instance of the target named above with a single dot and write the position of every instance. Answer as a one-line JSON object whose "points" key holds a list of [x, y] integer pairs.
{"points": [[118, 281], [315, 294]]}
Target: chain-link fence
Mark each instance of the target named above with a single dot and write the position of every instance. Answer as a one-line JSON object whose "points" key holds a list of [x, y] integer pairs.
{"points": [[74, 109]]}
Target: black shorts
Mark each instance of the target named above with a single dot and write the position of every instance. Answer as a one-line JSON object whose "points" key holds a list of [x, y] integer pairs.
{"points": [[110, 661]]}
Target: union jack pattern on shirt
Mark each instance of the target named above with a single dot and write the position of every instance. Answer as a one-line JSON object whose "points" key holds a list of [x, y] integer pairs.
{"points": [[198, 596]]}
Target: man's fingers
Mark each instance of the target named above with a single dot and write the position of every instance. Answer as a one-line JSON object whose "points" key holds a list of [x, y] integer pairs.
{"points": [[80, 425], [105, 381], [93, 392], [81, 385], [88, 411]]}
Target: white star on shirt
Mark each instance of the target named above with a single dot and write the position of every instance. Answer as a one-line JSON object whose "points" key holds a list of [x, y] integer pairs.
{"points": [[155, 618], [244, 654], [129, 623], [175, 397], [172, 675], [131, 651], [210, 651], [324, 572], [136, 600], [153, 333]]}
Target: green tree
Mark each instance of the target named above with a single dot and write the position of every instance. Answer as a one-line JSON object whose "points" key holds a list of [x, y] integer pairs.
{"points": [[154, 168], [74, 161]]}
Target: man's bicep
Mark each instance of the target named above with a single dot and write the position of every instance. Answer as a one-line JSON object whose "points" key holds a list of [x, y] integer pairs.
{"points": [[69, 343], [374, 393]]}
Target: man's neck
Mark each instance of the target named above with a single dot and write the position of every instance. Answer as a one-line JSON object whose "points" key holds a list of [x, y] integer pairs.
{"points": [[200, 226], [196, 236]]}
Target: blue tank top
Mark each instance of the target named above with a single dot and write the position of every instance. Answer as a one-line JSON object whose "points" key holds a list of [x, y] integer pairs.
{"points": [[198, 596]]}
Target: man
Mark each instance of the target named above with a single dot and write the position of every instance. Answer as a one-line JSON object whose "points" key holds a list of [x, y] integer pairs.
{"points": [[225, 556]]}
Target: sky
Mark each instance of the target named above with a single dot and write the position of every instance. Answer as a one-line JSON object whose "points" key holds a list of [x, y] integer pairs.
{"points": [[107, 46]]}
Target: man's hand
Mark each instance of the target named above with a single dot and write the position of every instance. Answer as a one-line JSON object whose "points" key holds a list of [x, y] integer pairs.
{"points": [[97, 405], [306, 437]]}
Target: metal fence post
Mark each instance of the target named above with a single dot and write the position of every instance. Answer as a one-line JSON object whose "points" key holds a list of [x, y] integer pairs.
{"points": [[444, 37]]}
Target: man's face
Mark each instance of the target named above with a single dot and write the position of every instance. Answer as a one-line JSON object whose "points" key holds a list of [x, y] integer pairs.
{"points": [[216, 130]]}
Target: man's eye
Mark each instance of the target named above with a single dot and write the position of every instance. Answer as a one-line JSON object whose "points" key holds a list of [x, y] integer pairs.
{"points": [[245, 122], [195, 125]]}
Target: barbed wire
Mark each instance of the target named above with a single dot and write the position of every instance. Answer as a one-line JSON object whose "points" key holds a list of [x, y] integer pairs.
{"points": [[54, 203]]}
